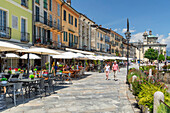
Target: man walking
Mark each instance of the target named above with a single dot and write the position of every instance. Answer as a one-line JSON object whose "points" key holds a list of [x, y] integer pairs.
{"points": [[115, 67]]}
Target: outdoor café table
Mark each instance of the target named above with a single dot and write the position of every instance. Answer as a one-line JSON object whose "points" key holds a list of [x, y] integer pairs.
{"points": [[29, 82], [3, 97], [67, 73]]}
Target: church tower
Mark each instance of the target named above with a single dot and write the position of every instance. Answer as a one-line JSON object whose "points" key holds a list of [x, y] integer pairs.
{"points": [[145, 36]]}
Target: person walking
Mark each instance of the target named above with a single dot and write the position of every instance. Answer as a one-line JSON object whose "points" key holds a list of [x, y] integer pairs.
{"points": [[107, 69], [115, 67]]}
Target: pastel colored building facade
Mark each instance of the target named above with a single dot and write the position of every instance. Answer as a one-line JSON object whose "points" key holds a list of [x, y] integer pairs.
{"points": [[47, 21], [70, 24], [85, 32], [16, 21]]}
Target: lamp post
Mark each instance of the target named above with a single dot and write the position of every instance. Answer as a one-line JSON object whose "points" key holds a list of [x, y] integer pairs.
{"points": [[139, 46], [127, 34]]}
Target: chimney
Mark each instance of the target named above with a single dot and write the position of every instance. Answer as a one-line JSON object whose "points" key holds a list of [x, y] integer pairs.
{"points": [[150, 32], [100, 25], [69, 2]]}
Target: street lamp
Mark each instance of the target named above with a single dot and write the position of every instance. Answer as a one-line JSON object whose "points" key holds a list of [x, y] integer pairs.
{"points": [[127, 34], [139, 46]]}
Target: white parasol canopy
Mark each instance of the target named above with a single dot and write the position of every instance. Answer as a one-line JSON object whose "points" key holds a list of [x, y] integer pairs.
{"points": [[42, 51], [61, 57], [11, 56], [31, 56], [6, 46]]}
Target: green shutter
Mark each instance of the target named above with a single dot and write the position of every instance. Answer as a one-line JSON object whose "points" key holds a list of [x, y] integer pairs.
{"points": [[66, 36]]}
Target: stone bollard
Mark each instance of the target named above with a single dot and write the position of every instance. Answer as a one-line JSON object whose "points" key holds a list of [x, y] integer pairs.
{"points": [[157, 97], [133, 79]]}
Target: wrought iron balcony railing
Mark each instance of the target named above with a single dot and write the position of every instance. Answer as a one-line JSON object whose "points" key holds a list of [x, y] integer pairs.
{"points": [[24, 3], [43, 20], [25, 37], [5, 32]]}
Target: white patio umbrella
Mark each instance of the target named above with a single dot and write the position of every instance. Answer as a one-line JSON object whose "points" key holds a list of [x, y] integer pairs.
{"points": [[61, 57], [70, 54], [42, 51], [12, 56], [6, 46], [31, 56]]}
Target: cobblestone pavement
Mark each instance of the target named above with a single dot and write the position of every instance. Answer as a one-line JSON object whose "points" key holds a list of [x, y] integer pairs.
{"points": [[92, 94]]}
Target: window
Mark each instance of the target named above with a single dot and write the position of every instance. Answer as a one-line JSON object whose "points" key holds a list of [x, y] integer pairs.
{"points": [[66, 36], [51, 5], [98, 34], [51, 36], [58, 9], [54, 23], [112, 50], [69, 18], [51, 19], [98, 45], [58, 22], [37, 1], [37, 10], [45, 4], [75, 39], [23, 29], [24, 3], [3, 23], [14, 22], [65, 15], [58, 38], [45, 17], [75, 22]]}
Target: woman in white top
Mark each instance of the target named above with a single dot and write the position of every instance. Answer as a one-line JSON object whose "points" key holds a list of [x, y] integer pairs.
{"points": [[107, 69]]}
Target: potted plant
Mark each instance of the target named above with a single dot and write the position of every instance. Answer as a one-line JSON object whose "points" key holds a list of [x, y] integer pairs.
{"points": [[19, 69], [35, 69], [9, 72], [4, 80], [31, 76]]}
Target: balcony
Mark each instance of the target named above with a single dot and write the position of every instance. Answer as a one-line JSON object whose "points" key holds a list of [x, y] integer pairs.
{"points": [[101, 39], [40, 21], [56, 27], [57, 45], [25, 37], [73, 45], [40, 41], [5, 32], [24, 3], [108, 41]]}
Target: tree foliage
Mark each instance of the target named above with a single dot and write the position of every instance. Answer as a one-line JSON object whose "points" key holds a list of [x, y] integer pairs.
{"points": [[168, 57], [151, 54], [161, 57]]}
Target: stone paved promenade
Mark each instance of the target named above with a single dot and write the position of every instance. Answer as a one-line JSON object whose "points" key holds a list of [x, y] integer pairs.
{"points": [[92, 94]]}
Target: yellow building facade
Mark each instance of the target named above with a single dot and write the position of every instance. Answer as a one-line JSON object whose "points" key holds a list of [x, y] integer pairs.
{"points": [[70, 24]]}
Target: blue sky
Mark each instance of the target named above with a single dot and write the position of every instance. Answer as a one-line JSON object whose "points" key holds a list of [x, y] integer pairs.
{"points": [[143, 15]]}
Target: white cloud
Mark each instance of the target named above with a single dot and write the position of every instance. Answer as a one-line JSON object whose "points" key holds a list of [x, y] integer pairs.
{"points": [[115, 29], [124, 30], [169, 34], [136, 37]]}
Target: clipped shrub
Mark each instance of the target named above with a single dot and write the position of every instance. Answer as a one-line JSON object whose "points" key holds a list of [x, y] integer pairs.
{"points": [[31, 76], [146, 95], [164, 109], [4, 79]]}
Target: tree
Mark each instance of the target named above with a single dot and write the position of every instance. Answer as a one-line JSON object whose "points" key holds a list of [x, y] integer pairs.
{"points": [[151, 54], [168, 57], [161, 57]]}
